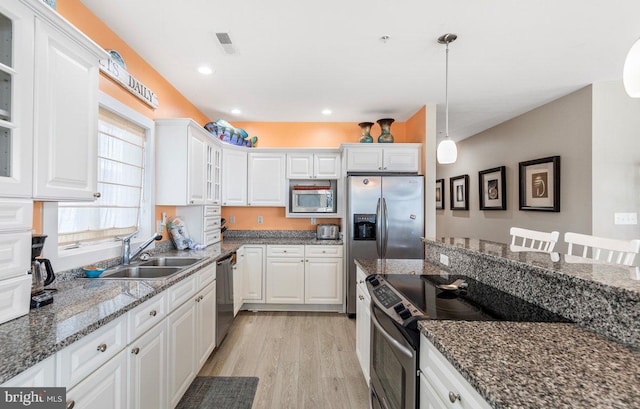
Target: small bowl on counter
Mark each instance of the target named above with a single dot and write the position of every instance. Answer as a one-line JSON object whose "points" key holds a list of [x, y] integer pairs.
{"points": [[93, 271]]}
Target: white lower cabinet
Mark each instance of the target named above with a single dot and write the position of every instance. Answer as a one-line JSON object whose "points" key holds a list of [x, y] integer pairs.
{"points": [[106, 388], [206, 324], [147, 369], [441, 385], [304, 275], [39, 375], [253, 277], [363, 324], [323, 281], [238, 281], [182, 350], [285, 280]]}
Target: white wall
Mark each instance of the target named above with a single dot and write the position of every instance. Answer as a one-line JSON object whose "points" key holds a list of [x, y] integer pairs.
{"points": [[561, 127], [615, 159]]}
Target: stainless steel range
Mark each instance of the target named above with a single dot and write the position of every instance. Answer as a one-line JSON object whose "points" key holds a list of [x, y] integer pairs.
{"points": [[399, 301]]}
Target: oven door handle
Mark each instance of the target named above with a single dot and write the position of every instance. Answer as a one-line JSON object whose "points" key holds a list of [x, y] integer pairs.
{"points": [[398, 346]]}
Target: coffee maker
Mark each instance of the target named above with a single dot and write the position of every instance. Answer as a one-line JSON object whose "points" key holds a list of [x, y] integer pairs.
{"points": [[41, 274]]}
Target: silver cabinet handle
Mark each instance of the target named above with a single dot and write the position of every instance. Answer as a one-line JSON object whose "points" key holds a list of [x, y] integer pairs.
{"points": [[360, 297], [380, 168], [71, 404], [453, 397], [385, 168], [135, 351], [153, 313], [361, 282], [102, 347], [96, 195]]}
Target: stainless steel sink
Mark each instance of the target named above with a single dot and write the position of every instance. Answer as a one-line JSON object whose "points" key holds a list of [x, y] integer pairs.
{"points": [[141, 272], [171, 261]]}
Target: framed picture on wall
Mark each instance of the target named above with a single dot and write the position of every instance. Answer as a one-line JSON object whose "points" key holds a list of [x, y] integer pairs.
{"points": [[493, 193], [540, 184], [440, 194], [459, 192]]}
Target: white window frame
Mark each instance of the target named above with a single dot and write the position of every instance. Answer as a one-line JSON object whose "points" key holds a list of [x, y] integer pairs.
{"points": [[66, 259]]}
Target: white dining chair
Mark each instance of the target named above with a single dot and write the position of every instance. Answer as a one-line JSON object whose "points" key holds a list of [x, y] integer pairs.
{"points": [[533, 240], [600, 249]]}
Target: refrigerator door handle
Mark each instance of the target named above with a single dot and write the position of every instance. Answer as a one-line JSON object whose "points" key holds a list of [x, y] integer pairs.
{"points": [[386, 227], [379, 229]]}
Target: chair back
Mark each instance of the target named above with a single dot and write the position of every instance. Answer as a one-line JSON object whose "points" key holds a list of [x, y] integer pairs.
{"points": [[601, 249], [532, 240]]}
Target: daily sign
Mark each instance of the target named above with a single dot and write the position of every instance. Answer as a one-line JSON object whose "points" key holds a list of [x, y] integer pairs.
{"points": [[128, 81]]}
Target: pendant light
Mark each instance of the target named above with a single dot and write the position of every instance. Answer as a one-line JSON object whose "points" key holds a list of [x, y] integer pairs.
{"points": [[447, 151], [631, 72]]}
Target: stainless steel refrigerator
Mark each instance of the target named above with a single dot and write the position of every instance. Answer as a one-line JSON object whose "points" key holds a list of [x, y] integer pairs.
{"points": [[385, 220]]}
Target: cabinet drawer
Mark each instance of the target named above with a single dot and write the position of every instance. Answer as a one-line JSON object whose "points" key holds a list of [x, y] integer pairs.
{"points": [[211, 223], [212, 237], [15, 253], [445, 379], [15, 214], [181, 292], [323, 251], [206, 275], [210, 211], [15, 294], [78, 360], [146, 315], [285, 251]]}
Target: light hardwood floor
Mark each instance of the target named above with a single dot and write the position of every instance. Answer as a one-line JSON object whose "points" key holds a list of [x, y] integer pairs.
{"points": [[303, 360]]}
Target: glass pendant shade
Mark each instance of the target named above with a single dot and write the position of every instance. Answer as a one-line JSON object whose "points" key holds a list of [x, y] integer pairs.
{"points": [[631, 71], [447, 152]]}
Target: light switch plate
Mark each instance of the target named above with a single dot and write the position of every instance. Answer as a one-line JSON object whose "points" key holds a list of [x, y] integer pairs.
{"points": [[232, 219], [259, 219], [625, 218], [313, 220]]}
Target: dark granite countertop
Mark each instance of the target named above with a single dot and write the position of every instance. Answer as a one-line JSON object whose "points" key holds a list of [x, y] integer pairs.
{"points": [[83, 305], [529, 365]]}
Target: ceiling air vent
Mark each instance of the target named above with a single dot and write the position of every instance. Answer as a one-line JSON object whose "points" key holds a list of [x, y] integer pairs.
{"points": [[225, 42]]}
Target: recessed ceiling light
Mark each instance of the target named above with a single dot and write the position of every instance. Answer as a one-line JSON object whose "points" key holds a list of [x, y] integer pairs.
{"points": [[205, 70], [236, 111], [326, 112]]}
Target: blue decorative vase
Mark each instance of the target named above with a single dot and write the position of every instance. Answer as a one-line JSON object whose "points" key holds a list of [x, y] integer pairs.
{"points": [[385, 125], [366, 129], [51, 3]]}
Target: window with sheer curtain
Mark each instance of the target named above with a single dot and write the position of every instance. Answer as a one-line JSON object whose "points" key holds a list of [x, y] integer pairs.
{"points": [[120, 183]]}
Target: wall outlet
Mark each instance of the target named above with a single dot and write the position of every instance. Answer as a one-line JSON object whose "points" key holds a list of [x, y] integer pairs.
{"points": [[159, 226], [313, 220], [232, 219], [444, 259], [259, 219], [164, 217], [625, 218]]}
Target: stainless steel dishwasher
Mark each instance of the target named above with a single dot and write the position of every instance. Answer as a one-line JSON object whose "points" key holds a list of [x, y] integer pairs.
{"points": [[224, 296]]}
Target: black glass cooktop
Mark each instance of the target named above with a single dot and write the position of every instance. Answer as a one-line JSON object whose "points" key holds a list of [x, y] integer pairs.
{"points": [[473, 301]]}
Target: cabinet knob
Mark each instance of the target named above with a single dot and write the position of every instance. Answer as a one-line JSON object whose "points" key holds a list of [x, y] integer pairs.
{"points": [[96, 195], [191, 201], [71, 404], [361, 282], [135, 351], [385, 168], [380, 168], [153, 313], [453, 397], [102, 347], [361, 297]]}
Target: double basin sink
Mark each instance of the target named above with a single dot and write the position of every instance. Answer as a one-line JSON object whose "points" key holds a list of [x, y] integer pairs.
{"points": [[157, 268]]}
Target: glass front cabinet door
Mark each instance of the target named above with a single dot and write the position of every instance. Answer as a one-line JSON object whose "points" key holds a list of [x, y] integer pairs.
{"points": [[16, 99]]}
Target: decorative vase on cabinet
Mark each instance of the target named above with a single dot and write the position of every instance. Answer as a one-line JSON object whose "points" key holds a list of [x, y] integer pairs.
{"points": [[365, 137], [385, 136]]}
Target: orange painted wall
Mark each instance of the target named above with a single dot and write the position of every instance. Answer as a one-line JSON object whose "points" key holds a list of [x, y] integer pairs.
{"points": [[416, 128], [312, 134], [246, 218]]}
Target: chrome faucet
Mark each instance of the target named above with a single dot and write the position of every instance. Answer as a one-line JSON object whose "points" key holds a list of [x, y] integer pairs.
{"points": [[127, 256]]}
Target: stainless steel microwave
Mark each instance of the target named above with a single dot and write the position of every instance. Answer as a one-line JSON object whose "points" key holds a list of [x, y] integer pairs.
{"points": [[305, 200]]}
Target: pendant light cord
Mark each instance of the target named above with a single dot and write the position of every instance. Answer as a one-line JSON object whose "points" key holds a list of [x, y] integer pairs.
{"points": [[446, 92]]}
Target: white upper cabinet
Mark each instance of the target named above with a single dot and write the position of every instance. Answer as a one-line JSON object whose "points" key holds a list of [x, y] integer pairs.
{"points": [[16, 99], [302, 165], [185, 155], [65, 111], [234, 176], [388, 158], [266, 179]]}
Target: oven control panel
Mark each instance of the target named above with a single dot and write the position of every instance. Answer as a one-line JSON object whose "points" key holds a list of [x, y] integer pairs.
{"points": [[393, 303]]}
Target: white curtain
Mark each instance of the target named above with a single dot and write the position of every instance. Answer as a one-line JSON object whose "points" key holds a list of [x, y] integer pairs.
{"points": [[120, 176]]}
